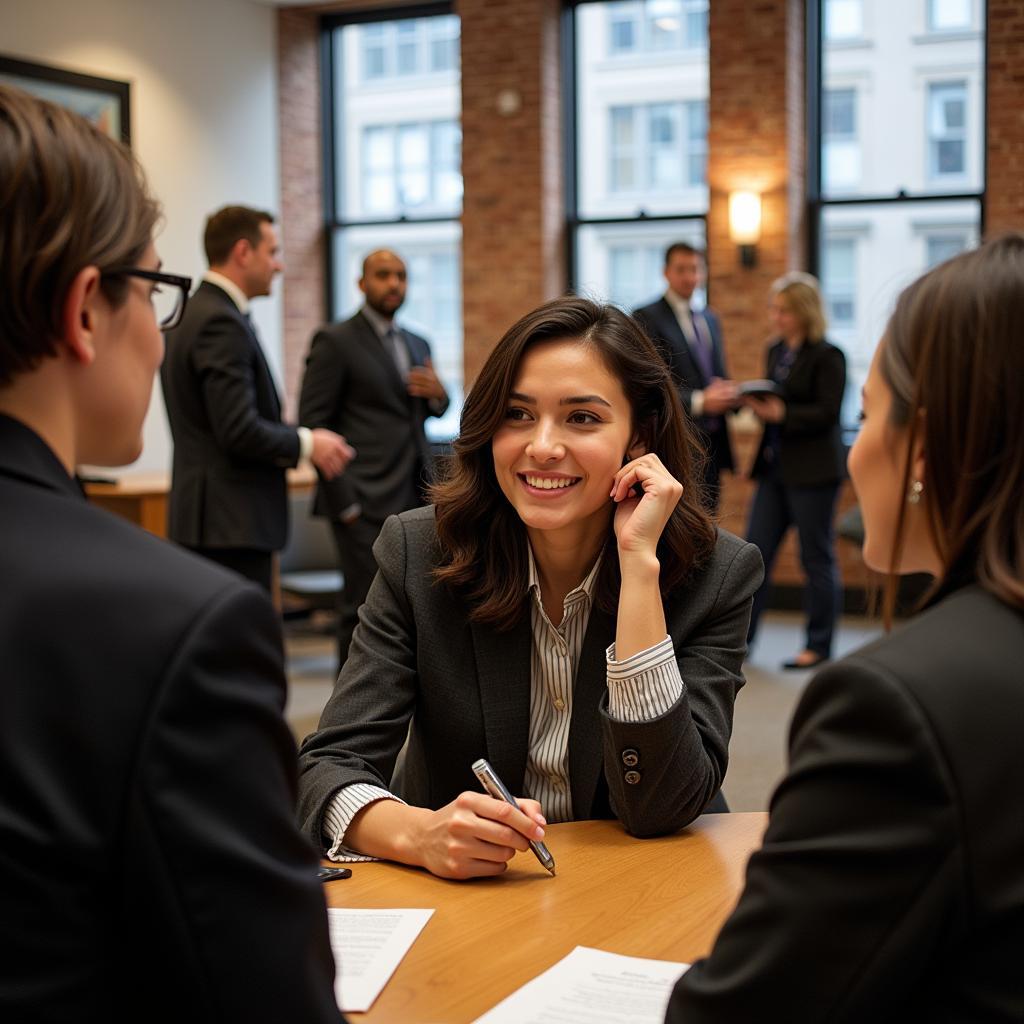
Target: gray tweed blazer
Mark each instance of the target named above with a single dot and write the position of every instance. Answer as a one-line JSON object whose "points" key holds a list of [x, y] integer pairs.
{"points": [[419, 675]]}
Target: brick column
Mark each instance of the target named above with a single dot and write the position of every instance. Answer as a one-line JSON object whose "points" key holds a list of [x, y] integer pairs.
{"points": [[1004, 185], [513, 212], [298, 41]]}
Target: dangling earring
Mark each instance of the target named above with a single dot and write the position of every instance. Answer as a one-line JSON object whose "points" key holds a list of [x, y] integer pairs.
{"points": [[914, 494]]}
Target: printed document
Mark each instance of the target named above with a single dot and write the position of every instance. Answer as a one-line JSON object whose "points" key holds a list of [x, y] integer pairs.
{"points": [[368, 945], [590, 986]]}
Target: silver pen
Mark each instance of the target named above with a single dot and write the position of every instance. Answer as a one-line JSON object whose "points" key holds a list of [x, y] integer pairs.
{"points": [[496, 788]]}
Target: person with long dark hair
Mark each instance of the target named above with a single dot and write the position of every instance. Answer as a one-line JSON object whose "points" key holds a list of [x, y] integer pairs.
{"points": [[565, 609], [890, 886]]}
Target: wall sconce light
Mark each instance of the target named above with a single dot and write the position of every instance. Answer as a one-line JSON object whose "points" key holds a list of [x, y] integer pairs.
{"points": [[745, 224]]}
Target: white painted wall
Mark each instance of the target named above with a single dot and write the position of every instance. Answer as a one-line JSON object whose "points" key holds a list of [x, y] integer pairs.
{"points": [[203, 118]]}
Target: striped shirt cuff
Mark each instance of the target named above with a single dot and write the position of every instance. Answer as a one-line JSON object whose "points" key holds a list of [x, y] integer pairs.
{"points": [[344, 806], [644, 686]]}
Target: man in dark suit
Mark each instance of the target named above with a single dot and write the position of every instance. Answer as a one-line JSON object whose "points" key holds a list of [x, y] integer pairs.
{"points": [[373, 382], [150, 865], [229, 497], [691, 342]]}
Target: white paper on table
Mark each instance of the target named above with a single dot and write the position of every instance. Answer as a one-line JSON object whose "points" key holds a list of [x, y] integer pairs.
{"points": [[368, 945], [590, 986]]}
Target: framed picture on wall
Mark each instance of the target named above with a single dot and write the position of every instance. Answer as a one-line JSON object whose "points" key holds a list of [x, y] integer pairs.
{"points": [[103, 101]]}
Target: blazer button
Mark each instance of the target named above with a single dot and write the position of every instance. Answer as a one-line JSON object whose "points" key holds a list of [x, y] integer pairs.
{"points": [[630, 757], [632, 778]]}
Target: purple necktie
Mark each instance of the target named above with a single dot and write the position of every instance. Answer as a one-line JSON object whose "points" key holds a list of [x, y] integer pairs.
{"points": [[702, 344]]}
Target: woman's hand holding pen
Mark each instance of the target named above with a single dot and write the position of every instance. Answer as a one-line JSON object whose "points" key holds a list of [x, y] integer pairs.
{"points": [[475, 835]]}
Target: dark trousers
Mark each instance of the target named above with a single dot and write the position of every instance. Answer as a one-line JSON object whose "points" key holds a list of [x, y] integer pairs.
{"points": [[811, 509], [257, 566], [354, 544]]}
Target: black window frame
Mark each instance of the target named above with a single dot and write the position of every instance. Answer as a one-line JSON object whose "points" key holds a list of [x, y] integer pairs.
{"points": [[570, 136], [329, 23], [814, 27]]}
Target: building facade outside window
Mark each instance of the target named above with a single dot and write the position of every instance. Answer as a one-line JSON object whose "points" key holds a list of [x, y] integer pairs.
{"points": [[900, 144], [394, 108], [638, 168]]}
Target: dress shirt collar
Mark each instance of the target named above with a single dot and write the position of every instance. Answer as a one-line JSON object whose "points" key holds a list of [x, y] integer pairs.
{"points": [[585, 590], [234, 293], [680, 306], [379, 323]]}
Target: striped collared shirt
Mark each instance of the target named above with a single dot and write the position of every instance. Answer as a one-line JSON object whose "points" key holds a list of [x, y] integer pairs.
{"points": [[640, 688]]}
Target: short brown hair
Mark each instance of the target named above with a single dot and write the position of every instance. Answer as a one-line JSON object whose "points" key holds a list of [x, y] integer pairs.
{"points": [[682, 247], [803, 295], [225, 227], [483, 541], [953, 359], [70, 198]]}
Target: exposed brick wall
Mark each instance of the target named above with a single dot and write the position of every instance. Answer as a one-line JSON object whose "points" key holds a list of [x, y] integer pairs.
{"points": [[1004, 198], [513, 212], [298, 41]]}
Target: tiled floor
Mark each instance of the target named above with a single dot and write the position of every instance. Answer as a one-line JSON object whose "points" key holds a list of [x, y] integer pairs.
{"points": [[763, 709]]}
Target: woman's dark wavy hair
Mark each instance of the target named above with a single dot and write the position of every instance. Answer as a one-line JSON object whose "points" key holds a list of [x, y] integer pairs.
{"points": [[482, 540], [953, 356]]}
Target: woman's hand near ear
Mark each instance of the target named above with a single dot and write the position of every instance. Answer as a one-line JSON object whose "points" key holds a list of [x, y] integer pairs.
{"points": [[639, 522]]}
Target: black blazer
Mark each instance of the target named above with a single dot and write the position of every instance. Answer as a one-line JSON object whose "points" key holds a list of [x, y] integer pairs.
{"points": [[149, 861], [228, 487], [811, 450], [890, 886], [352, 386], [662, 327], [465, 689]]}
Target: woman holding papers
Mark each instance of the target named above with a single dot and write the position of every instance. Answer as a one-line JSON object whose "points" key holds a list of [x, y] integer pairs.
{"points": [[800, 461], [565, 609], [891, 881]]}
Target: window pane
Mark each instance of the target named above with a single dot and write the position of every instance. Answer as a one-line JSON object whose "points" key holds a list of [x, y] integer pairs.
{"points": [[622, 263], [641, 138], [887, 106], [433, 304], [868, 254], [389, 159], [844, 19], [949, 14]]}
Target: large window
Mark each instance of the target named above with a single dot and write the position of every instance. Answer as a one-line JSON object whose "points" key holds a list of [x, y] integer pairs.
{"points": [[897, 182], [638, 168], [394, 169]]}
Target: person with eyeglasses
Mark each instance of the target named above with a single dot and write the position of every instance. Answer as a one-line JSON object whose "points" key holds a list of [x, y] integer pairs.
{"points": [[150, 863], [229, 496]]}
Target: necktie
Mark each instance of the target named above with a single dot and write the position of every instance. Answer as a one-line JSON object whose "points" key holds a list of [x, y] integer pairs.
{"points": [[702, 344], [396, 347]]}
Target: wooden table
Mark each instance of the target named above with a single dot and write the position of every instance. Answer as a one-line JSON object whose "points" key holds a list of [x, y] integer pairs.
{"points": [[142, 497], [662, 898]]}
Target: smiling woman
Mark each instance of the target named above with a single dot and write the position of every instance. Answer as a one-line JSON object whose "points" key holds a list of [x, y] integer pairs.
{"points": [[565, 609]]}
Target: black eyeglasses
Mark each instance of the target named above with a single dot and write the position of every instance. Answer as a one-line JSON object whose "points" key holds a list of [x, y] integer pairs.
{"points": [[169, 302]]}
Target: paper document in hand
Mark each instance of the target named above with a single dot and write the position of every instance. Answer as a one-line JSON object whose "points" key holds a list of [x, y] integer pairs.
{"points": [[368, 945], [590, 986]]}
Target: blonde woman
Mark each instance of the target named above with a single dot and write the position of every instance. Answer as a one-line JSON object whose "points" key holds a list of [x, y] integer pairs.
{"points": [[800, 462]]}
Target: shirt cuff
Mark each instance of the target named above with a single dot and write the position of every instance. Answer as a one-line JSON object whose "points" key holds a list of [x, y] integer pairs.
{"points": [[696, 403], [305, 444], [344, 806], [644, 686]]}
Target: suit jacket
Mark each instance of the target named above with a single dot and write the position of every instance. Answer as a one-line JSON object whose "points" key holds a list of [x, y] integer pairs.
{"points": [[149, 860], [465, 689], [811, 450], [231, 449], [659, 321], [352, 386], [890, 886]]}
